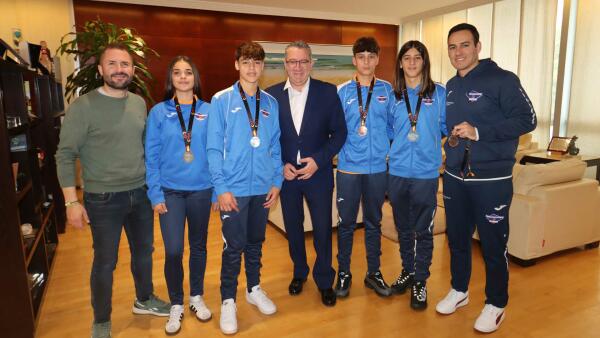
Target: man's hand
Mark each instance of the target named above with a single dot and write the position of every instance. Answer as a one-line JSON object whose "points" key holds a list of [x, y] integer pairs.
{"points": [[289, 172], [271, 197], [161, 208], [465, 130], [308, 170], [77, 216], [227, 202]]}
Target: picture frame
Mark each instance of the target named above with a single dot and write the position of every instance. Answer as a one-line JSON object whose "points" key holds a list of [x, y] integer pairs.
{"points": [[559, 144]]}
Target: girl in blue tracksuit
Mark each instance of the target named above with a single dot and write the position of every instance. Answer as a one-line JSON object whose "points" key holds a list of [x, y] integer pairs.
{"points": [[415, 158], [179, 185]]}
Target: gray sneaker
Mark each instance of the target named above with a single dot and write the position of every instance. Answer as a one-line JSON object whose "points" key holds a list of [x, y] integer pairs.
{"points": [[152, 306], [101, 330]]}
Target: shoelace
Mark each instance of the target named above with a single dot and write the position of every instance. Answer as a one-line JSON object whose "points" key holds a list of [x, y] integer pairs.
{"points": [[420, 292], [402, 279], [262, 295]]}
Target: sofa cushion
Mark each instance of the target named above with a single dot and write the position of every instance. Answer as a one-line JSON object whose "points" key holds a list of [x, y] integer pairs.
{"points": [[525, 141], [527, 177]]}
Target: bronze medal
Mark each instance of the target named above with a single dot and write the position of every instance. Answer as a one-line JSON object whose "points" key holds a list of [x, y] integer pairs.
{"points": [[453, 141]]}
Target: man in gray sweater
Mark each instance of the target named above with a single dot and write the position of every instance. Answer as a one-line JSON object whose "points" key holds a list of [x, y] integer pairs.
{"points": [[104, 129]]}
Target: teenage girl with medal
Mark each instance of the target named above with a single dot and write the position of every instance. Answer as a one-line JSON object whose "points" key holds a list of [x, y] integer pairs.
{"points": [[179, 186], [419, 116]]}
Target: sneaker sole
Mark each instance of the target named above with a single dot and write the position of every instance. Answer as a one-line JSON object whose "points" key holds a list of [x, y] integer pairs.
{"points": [[377, 290], [258, 307], [494, 329], [228, 331], [398, 291], [138, 311], [460, 304], [172, 333], [418, 307]]}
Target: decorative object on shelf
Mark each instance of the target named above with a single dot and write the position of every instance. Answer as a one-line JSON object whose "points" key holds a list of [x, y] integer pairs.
{"points": [[87, 44], [559, 144], [45, 58], [572, 149], [17, 36], [15, 169], [26, 229]]}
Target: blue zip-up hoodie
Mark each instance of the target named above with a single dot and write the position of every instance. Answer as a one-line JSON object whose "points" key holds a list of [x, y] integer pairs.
{"points": [[164, 147], [492, 100], [422, 158], [235, 166], [366, 154]]}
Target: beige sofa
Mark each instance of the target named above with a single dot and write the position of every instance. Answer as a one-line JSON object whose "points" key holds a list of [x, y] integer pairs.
{"points": [[554, 208]]}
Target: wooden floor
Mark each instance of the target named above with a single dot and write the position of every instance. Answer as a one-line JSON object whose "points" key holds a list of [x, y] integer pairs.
{"points": [[559, 297]]}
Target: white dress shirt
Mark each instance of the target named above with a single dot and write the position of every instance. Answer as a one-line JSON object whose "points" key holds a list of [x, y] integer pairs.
{"points": [[297, 105]]}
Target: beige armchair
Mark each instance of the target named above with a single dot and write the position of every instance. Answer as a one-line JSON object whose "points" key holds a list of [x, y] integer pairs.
{"points": [[554, 208], [526, 146]]}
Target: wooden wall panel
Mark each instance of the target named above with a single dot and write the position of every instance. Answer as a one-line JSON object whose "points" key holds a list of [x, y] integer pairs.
{"points": [[210, 37]]}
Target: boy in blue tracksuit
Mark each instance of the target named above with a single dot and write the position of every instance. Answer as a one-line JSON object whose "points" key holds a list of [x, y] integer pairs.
{"points": [[361, 172], [244, 159], [487, 111], [414, 162]]}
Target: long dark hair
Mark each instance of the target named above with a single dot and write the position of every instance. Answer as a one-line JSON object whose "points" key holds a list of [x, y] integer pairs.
{"points": [[427, 85], [169, 89]]}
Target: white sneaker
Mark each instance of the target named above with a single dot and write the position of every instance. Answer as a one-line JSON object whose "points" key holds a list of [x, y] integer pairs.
{"points": [[490, 319], [199, 308], [453, 300], [228, 321], [174, 323], [259, 298]]}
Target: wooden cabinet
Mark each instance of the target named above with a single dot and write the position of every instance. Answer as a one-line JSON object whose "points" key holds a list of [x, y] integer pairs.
{"points": [[32, 205]]}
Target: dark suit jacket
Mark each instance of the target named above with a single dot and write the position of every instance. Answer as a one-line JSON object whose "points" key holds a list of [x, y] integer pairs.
{"points": [[323, 131]]}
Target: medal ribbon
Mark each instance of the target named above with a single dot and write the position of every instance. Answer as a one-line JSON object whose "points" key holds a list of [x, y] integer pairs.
{"points": [[466, 163], [412, 117], [364, 110], [253, 123], [187, 134]]}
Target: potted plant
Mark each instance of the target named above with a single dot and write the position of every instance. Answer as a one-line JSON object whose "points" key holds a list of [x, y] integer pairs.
{"points": [[86, 46]]}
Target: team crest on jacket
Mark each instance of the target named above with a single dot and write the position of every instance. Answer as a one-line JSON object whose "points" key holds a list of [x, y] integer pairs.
{"points": [[200, 117], [428, 101], [265, 113], [473, 95], [381, 98]]}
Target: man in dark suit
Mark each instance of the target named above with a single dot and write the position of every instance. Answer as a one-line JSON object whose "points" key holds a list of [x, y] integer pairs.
{"points": [[313, 131]]}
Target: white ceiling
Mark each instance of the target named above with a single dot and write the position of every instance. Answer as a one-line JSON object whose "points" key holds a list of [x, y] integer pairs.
{"points": [[375, 11]]}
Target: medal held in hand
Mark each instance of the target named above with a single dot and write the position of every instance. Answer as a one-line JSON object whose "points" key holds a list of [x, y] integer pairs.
{"points": [[453, 141], [362, 130], [254, 140], [188, 157], [412, 136]]}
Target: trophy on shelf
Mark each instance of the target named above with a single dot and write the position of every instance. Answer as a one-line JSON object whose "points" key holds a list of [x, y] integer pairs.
{"points": [[572, 149]]}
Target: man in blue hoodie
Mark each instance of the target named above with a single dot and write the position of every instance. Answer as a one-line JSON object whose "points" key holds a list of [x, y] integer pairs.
{"points": [[487, 110], [362, 167], [244, 160]]}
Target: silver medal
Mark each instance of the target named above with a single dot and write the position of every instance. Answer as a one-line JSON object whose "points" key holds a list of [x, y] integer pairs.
{"points": [[188, 157], [413, 136], [255, 141], [362, 130]]}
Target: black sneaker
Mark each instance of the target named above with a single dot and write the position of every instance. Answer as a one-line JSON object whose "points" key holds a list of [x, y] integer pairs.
{"points": [[418, 297], [374, 280], [342, 288], [404, 281]]}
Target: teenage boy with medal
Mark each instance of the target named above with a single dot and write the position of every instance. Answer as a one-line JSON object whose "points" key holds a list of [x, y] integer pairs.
{"points": [[244, 157], [419, 120], [179, 185], [362, 167], [489, 111]]}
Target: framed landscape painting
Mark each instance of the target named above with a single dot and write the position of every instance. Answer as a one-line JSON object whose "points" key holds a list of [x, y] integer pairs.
{"points": [[333, 63]]}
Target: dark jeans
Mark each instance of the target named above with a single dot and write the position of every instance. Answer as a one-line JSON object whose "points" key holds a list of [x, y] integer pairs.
{"points": [[243, 232], [195, 206], [109, 213], [413, 205], [351, 189], [485, 206]]}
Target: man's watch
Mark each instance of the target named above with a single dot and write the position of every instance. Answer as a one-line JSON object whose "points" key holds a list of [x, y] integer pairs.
{"points": [[71, 203]]}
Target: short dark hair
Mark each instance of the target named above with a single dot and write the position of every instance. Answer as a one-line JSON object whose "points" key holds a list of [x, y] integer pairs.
{"points": [[169, 88], [250, 50], [465, 27], [427, 85], [115, 45], [365, 44]]}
